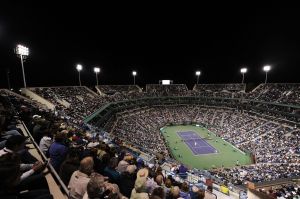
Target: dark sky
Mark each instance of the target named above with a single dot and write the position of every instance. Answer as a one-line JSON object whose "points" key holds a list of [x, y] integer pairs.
{"points": [[159, 42]]}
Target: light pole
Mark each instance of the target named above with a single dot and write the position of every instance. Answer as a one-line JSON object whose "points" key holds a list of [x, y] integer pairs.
{"points": [[198, 73], [97, 70], [243, 71], [266, 69], [8, 81], [79, 68], [134, 73], [22, 52]]}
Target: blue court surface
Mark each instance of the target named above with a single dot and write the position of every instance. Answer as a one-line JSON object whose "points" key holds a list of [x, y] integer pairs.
{"points": [[197, 145]]}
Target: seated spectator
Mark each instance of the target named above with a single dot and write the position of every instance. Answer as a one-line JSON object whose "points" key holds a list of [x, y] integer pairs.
{"points": [[185, 191], [80, 178], [159, 179], [197, 193], [58, 151], [182, 171], [5, 135], [10, 180], [14, 145], [127, 180], [159, 192], [110, 171], [174, 193], [122, 166], [140, 188], [95, 187], [69, 166], [45, 142]]}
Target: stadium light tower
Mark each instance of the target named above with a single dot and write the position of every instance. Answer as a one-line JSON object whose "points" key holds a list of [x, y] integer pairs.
{"points": [[97, 70], [266, 69], [243, 71], [134, 73], [79, 68], [22, 52], [198, 73]]}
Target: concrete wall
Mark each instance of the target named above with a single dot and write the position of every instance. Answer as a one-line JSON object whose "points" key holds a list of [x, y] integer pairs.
{"points": [[37, 98]]}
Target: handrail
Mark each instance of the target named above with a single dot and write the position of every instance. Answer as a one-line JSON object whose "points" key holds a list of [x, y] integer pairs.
{"points": [[49, 166]]}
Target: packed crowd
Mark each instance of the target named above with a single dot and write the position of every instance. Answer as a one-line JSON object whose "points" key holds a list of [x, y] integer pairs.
{"points": [[220, 87], [266, 139], [87, 162], [112, 89], [74, 102], [279, 93], [220, 90], [63, 137], [79, 102], [280, 145], [166, 90], [288, 191], [257, 173]]}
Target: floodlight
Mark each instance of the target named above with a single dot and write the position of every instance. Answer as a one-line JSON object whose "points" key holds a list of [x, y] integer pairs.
{"points": [[198, 73], [243, 70], [97, 70], [22, 50], [79, 67], [267, 68], [134, 73]]}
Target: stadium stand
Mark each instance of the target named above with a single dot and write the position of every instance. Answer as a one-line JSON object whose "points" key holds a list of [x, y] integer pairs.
{"points": [[277, 93], [112, 89], [122, 125], [167, 90]]}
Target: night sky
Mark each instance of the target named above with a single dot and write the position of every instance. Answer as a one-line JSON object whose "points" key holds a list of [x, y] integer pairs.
{"points": [[158, 42]]}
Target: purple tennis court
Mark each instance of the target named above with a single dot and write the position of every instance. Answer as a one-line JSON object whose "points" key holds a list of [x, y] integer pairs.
{"points": [[197, 145]]}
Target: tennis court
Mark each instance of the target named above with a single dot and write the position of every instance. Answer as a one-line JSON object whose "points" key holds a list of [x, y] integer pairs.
{"points": [[197, 145], [199, 148]]}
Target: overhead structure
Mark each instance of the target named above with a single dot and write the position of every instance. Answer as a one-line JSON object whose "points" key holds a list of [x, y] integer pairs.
{"points": [[22, 52]]}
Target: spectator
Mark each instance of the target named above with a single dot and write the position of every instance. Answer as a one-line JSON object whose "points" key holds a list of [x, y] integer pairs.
{"points": [[45, 142], [140, 189], [58, 151], [80, 178], [174, 193], [110, 170], [69, 166], [95, 188], [127, 180], [10, 180], [159, 192]]}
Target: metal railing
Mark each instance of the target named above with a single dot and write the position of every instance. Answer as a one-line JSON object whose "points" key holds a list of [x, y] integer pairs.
{"points": [[49, 166]]}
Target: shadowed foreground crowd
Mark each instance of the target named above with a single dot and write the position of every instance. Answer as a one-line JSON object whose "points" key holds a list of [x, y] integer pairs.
{"points": [[91, 167]]}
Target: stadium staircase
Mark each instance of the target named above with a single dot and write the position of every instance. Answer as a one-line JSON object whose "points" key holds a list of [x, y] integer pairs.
{"points": [[258, 136], [35, 97], [213, 117], [222, 119]]}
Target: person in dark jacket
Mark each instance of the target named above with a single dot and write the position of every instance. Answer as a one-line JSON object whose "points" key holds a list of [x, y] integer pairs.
{"points": [[110, 171], [58, 151], [70, 165], [127, 180]]}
